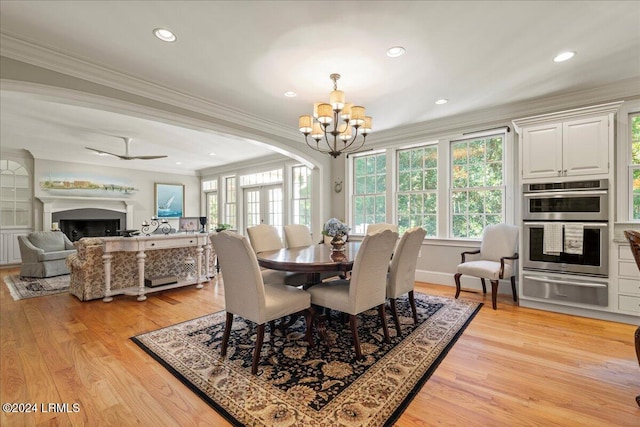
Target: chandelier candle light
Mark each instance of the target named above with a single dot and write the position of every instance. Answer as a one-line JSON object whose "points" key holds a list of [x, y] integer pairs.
{"points": [[348, 120]]}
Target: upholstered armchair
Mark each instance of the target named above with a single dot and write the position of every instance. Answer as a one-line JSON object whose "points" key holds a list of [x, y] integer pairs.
{"points": [[44, 253], [494, 260]]}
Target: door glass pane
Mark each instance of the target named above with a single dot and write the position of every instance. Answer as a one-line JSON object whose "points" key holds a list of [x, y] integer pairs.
{"points": [[252, 207]]}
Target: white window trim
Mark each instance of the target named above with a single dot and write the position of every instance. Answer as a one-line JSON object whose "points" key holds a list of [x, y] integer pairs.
{"points": [[624, 203]]}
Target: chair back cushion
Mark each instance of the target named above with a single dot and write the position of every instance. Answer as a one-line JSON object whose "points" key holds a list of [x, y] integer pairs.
{"points": [[634, 240], [297, 235], [402, 272], [264, 237], [374, 228], [243, 286], [498, 241], [369, 276], [48, 241]]}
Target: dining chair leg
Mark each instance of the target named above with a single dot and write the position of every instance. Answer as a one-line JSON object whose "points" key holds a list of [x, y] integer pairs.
{"points": [[227, 332], [513, 288], [258, 349], [494, 294], [309, 314], [353, 321], [456, 277], [484, 285], [383, 320], [412, 301], [394, 314]]}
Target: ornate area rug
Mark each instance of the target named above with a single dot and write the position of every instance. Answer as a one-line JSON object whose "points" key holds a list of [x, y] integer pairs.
{"points": [[321, 386], [29, 287]]}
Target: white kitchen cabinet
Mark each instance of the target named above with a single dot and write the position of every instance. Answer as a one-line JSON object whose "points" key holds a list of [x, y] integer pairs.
{"points": [[628, 281], [567, 144], [570, 148], [9, 248]]}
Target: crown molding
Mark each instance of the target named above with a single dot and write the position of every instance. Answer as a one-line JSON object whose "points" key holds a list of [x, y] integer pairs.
{"points": [[54, 60], [503, 115]]}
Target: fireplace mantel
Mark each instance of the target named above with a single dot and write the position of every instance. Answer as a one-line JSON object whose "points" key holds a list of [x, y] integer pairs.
{"points": [[65, 203]]}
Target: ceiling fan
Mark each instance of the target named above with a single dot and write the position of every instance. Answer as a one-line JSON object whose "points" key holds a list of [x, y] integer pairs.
{"points": [[126, 155]]}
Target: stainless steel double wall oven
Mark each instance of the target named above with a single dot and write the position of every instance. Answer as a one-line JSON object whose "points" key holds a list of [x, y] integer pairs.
{"points": [[563, 275]]}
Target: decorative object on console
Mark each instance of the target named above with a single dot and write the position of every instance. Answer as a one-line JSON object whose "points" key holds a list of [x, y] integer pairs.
{"points": [[149, 227], [203, 223], [338, 230], [222, 227], [169, 200], [347, 120], [189, 224], [128, 233]]}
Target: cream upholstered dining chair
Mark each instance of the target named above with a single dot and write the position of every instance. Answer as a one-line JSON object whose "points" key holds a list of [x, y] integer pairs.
{"points": [[497, 255], [402, 272], [246, 295], [374, 228], [366, 288], [297, 235], [265, 237]]}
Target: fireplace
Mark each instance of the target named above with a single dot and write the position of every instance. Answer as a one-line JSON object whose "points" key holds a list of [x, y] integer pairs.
{"points": [[89, 222]]}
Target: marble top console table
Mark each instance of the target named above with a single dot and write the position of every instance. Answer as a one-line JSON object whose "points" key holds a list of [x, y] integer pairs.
{"points": [[141, 244]]}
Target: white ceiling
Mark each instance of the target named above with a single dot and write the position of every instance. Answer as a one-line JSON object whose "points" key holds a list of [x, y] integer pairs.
{"points": [[239, 57]]}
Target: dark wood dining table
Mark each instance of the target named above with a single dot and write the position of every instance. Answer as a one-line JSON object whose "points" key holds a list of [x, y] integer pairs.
{"points": [[312, 260]]}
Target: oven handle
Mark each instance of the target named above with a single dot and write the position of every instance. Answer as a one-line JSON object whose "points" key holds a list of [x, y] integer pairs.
{"points": [[564, 282], [586, 224], [567, 194]]}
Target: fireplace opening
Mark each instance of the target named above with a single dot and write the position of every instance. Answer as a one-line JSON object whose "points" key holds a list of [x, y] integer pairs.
{"points": [[76, 229], [89, 222]]}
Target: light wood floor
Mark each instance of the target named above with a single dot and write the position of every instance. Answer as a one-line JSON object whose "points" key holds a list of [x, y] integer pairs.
{"points": [[513, 366]]}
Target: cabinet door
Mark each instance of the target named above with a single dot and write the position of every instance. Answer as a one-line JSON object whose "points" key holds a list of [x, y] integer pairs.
{"points": [[586, 146], [13, 248], [541, 151]]}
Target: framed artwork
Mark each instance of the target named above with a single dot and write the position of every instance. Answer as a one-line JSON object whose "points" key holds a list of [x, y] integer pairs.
{"points": [[189, 224], [169, 200]]}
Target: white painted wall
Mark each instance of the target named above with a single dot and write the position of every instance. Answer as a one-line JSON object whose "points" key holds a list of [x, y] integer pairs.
{"points": [[142, 201]]}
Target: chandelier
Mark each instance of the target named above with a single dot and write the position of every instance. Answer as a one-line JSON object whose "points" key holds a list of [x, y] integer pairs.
{"points": [[348, 121]]}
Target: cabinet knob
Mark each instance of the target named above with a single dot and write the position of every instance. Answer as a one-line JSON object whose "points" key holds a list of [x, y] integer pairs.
{"points": [[153, 244], [564, 172], [559, 173]]}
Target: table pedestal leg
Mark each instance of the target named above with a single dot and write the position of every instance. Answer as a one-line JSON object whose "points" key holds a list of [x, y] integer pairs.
{"points": [[141, 292], [106, 260]]}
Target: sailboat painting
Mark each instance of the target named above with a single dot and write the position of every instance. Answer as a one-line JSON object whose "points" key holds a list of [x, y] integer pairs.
{"points": [[169, 200]]}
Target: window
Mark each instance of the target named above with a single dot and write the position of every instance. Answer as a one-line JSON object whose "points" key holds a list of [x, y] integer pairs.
{"points": [[230, 201], [369, 195], [634, 167], [301, 195], [417, 189], [210, 189], [477, 185], [15, 194], [268, 177]]}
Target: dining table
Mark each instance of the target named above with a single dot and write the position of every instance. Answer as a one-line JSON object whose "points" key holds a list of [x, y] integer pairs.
{"points": [[312, 260]]}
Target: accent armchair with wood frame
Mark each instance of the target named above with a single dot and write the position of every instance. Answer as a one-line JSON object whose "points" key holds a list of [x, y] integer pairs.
{"points": [[634, 240], [497, 255]]}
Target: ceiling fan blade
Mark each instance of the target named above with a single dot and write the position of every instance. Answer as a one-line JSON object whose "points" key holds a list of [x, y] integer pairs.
{"points": [[126, 156], [146, 157], [102, 152]]}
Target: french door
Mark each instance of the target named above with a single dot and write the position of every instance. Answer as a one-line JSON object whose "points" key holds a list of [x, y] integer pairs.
{"points": [[264, 205]]}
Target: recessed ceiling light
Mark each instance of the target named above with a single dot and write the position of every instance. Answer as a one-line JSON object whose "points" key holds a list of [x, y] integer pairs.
{"points": [[442, 101], [164, 35], [395, 51], [178, 163], [212, 154], [564, 56], [290, 94]]}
